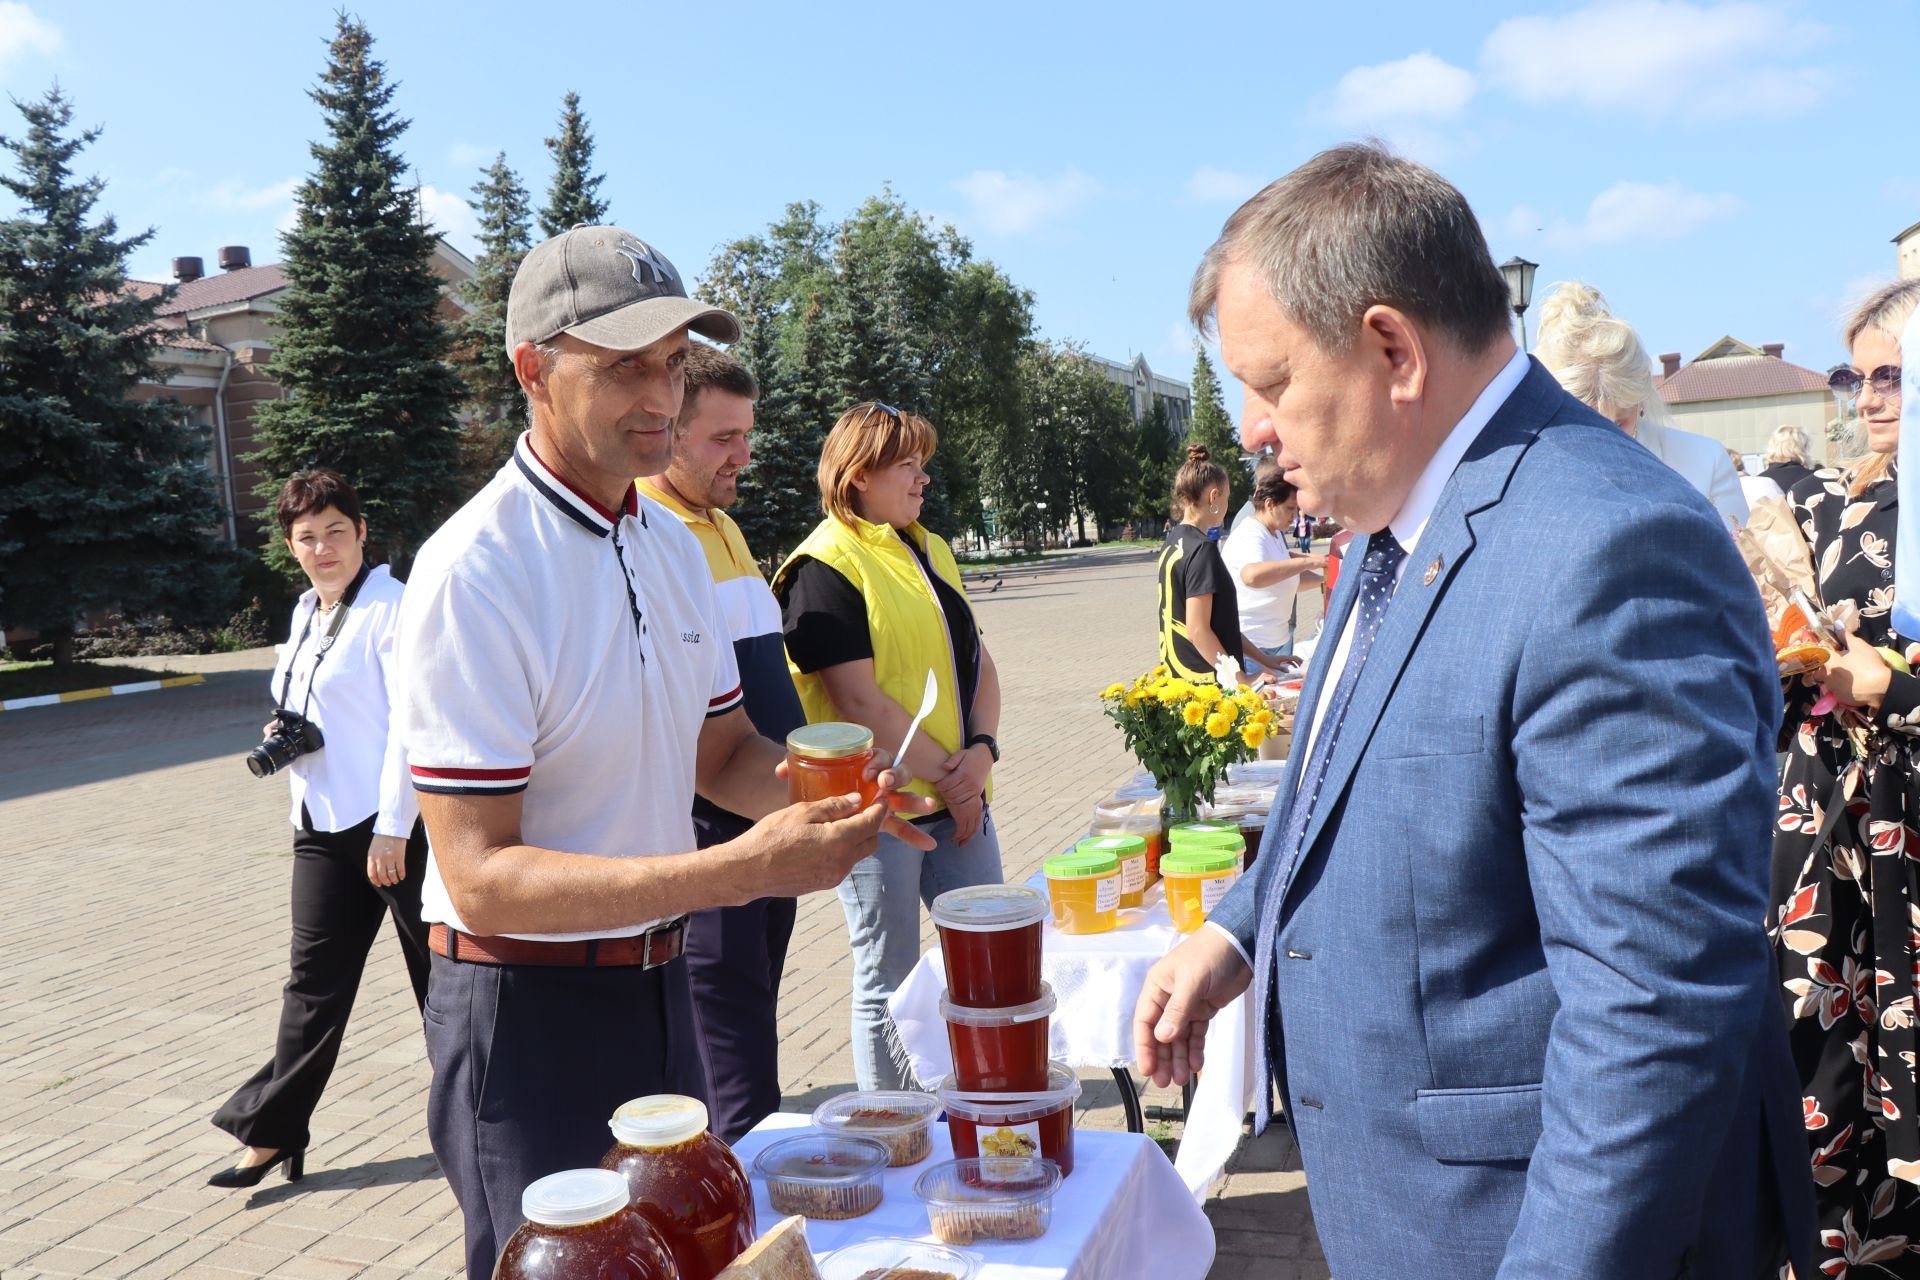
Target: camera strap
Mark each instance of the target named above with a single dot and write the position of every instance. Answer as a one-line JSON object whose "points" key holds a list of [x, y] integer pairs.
{"points": [[326, 640]]}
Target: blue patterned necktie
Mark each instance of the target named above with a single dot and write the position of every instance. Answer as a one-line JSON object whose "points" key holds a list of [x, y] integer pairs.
{"points": [[1377, 571]]}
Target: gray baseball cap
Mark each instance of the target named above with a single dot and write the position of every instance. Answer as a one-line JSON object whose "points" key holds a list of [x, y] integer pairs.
{"points": [[608, 287]]}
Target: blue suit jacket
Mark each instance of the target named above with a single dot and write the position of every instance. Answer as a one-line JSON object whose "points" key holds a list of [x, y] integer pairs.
{"points": [[1526, 1019]]}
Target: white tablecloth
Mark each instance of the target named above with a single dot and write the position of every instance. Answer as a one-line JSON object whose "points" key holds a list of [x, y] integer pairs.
{"points": [[1119, 1214], [1098, 978]]}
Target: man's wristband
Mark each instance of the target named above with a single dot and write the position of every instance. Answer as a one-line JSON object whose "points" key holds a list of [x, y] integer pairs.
{"points": [[986, 740]]}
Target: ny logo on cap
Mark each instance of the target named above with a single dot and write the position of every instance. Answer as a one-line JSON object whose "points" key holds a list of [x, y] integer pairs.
{"points": [[642, 254]]}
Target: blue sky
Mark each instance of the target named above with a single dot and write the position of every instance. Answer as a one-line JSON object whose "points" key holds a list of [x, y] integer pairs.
{"points": [[1713, 167]]}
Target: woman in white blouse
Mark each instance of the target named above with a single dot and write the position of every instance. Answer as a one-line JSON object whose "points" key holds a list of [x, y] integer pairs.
{"points": [[359, 852]]}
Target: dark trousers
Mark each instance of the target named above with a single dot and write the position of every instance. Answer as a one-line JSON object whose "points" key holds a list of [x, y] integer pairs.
{"points": [[735, 956], [336, 916], [529, 1064]]}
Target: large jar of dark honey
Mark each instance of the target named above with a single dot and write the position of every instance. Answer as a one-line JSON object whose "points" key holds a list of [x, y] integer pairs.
{"points": [[684, 1181], [580, 1226]]}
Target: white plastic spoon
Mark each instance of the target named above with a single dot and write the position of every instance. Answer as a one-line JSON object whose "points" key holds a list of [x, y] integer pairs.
{"points": [[928, 696]]}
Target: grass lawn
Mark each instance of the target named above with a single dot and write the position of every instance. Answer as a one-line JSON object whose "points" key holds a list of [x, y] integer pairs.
{"points": [[1135, 542], [32, 679]]}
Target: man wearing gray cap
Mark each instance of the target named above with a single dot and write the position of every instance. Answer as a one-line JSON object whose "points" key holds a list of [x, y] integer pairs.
{"points": [[567, 691]]}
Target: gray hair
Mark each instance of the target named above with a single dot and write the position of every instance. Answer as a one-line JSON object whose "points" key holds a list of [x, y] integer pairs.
{"points": [[1355, 227], [1596, 355], [549, 356]]}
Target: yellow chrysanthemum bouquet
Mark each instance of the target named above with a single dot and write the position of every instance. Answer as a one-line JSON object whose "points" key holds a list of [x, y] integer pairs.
{"points": [[1186, 732]]}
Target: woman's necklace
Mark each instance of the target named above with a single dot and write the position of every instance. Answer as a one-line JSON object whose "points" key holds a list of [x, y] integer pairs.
{"points": [[326, 608]]}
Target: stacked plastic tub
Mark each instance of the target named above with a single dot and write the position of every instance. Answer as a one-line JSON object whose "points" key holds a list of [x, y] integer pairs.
{"points": [[1004, 1098]]}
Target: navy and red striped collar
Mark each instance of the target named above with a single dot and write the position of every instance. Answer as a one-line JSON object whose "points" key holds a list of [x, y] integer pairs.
{"points": [[577, 506]]}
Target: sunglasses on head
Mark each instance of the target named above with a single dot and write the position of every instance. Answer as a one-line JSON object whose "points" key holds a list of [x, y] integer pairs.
{"points": [[882, 407], [1885, 380]]}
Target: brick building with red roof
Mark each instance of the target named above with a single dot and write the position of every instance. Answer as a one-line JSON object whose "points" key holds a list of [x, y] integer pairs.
{"points": [[1738, 394]]}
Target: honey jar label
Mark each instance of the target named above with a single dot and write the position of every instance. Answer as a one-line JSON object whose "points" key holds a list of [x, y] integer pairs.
{"points": [[1212, 890], [1133, 874], [1107, 894], [1011, 1140]]}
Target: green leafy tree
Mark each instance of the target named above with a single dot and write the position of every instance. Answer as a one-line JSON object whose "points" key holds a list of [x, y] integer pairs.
{"points": [[1155, 450], [574, 197], [361, 344], [495, 405], [1082, 438], [1212, 426], [104, 500]]}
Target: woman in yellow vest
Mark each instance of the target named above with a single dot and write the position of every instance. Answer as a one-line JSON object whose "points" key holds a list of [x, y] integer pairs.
{"points": [[1199, 612], [870, 602]]}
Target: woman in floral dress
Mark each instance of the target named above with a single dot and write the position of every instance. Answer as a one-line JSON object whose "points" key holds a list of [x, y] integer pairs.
{"points": [[1847, 906]]}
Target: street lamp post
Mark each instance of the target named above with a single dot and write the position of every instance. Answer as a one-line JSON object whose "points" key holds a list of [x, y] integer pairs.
{"points": [[1519, 274]]}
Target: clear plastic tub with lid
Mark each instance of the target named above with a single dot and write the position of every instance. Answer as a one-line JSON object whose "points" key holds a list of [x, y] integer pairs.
{"points": [[824, 1175], [892, 1258], [901, 1119], [989, 1198], [1000, 1049], [1131, 850], [1197, 876], [579, 1223], [1084, 887], [990, 943], [1020, 1125]]}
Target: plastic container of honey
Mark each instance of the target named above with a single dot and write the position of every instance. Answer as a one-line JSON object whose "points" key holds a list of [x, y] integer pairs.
{"points": [[684, 1181], [830, 759], [579, 1223], [990, 943], [1000, 1050], [902, 1120], [1181, 832], [1122, 814], [1131, 850], [1084, 888], [985, 1198], [1020, 1125], [824, 1175], [1197, 876]]}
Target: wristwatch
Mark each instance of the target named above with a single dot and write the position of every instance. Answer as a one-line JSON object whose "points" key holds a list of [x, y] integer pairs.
{"points": [[986, 740]]}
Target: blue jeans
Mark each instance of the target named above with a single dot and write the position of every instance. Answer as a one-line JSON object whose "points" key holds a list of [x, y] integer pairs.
{"points": [[882, 897], [1278, 651]]}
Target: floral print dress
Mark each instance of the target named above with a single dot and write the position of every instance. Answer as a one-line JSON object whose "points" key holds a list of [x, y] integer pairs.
{"points": [[1846, 918]]}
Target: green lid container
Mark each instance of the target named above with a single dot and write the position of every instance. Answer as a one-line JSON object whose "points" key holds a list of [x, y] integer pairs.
{"points": [[1228, 839], [1204, 827], [1082, 863], [1198, 860], [1117, 843]]}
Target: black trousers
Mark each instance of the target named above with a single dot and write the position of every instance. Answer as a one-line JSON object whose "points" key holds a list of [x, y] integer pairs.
{"points": [[529, 1064], [336, 916], [735, 956]]}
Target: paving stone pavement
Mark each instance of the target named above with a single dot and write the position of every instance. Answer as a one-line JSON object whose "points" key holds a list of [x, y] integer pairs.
{"points": [[146, 945]]}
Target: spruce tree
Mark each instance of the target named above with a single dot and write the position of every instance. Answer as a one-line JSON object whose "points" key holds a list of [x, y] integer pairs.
{"points": [[361, 345], [496, 407], [104, 500], [574, 197], [1212, 426]]}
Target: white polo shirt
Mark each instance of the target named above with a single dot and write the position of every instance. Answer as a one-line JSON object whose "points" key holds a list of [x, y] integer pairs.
{"points": [[525, 670]]}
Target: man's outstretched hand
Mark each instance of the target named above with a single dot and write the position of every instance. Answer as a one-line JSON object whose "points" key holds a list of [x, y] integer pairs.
{"points": [[1188, 985]]}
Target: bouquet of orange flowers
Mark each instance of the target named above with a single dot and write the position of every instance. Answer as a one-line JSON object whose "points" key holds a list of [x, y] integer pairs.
{"points": [[1186, 732]]}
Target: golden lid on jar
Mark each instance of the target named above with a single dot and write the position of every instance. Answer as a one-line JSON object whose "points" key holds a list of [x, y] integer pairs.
{"points": [[829, 740]]}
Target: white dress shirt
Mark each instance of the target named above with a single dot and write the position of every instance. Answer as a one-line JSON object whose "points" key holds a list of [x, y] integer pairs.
{"points": [[362, 769], [1407, 525]]}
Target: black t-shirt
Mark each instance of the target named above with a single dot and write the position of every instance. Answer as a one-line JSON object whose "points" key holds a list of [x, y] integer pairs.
{"points": [[825, 620], [1190, 565]]}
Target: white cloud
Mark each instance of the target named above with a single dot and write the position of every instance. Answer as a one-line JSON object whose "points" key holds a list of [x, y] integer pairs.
{"points": [[1208, 185], [234, 196], [1013, 203], [452, 217], [1420, 87], [23, 32], [1661, 57], [1640, 212]]}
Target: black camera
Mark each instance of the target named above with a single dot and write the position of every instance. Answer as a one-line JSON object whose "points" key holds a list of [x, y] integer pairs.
{"points": [[293, 736]]}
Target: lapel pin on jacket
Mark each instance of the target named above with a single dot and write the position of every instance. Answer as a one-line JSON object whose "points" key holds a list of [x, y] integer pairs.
{"points": [[1433, 571]]}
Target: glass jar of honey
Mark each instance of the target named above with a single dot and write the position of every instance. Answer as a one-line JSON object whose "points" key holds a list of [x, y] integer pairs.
{"points": [[684, 1181], [830, 759], [1132, 852], [1084, 887], [579, 1223], [1197, 876]]}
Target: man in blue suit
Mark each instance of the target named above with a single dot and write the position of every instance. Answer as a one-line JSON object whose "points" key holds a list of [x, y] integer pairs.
{"points": [[1505, 931]]}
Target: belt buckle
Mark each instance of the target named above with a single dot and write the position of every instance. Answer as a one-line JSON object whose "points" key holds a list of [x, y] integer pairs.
{"points": [[659, 931]]}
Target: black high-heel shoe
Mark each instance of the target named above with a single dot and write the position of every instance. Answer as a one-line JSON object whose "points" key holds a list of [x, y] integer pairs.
{"points": [[296, 1162]]}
